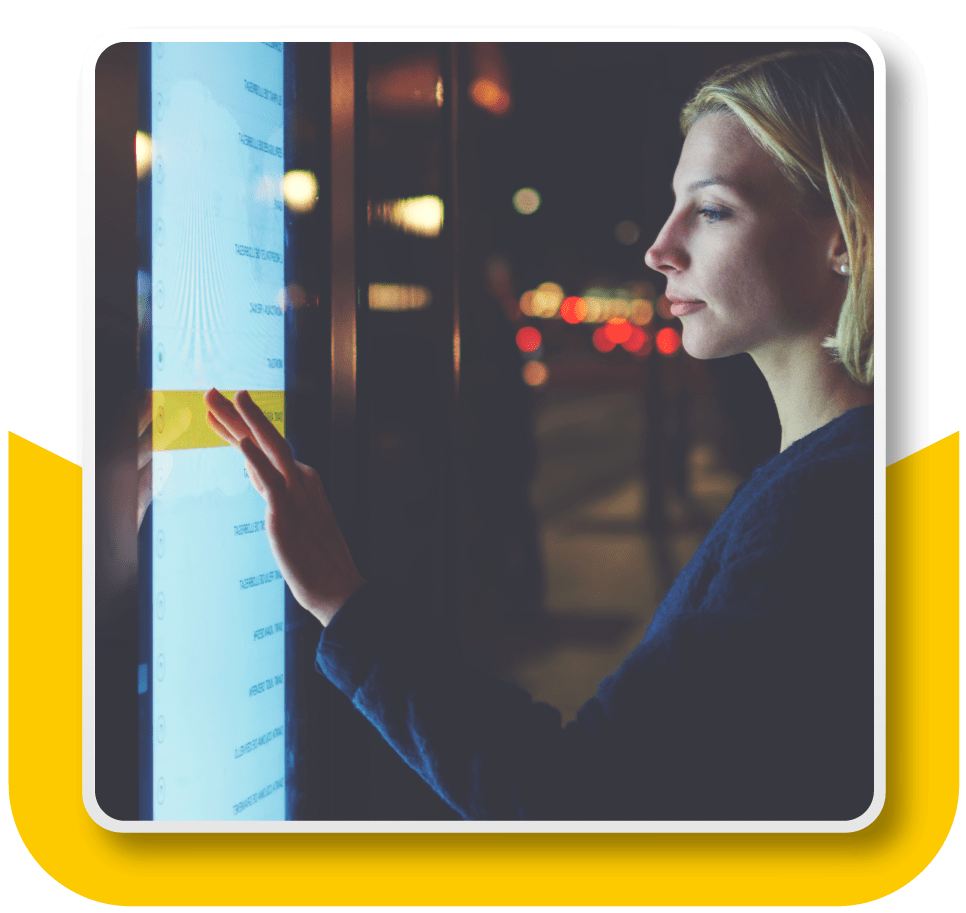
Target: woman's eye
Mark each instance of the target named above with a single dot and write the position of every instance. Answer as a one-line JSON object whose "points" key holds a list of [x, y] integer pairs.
{"points": [[712, 215]]}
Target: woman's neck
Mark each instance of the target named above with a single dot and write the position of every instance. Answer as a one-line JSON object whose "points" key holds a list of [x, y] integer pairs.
{"points": [[810, 389]]}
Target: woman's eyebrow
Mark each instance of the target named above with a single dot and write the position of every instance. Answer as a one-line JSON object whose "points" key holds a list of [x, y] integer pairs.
{"points": [[708, 182]]}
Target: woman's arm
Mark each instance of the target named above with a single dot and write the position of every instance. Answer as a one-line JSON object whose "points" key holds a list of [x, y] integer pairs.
{"points": [[750, 697], [484, 745]]}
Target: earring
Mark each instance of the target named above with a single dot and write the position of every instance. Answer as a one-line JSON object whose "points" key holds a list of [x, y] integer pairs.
{"points": [[844, 269]]}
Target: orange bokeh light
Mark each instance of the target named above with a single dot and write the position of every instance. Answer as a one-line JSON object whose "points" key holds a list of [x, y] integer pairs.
{"points": [[573, 309], [618, 330], [602, 342], [637, 340], [488, 94], [664, 308], [535, 373], [528, 339], [668, 341]]}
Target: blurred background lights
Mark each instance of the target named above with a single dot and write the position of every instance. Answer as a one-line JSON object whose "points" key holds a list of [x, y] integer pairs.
{"points": [[415, 216], [528, 339], [487, 94], [526, 304], [638, 342], [543, 301], [412, 86], [627, 232], [142, 153], [535, 373], [618, 330], [664, 308], [605, 304], [602, 342], [613, 306], [490, 78], [593, 308], [573, 309], [301, 190], [642, 312], [618, 308], [547, 298], [668, 341], [391, 297], [526, 201]]}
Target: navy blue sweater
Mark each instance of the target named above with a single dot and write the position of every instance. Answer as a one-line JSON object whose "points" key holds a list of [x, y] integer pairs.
{"points": [[750, 696]]}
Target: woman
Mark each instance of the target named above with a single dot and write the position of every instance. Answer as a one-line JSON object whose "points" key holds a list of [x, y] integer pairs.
{"points": [[750, 696]]}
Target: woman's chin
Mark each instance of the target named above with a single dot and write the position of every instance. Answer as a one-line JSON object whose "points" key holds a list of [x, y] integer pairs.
{"points": [[704, 345], [698, 347]]}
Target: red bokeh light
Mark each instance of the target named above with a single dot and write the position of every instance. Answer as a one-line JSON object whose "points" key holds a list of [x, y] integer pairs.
{"points": [[573, 309], [528, 339], [618, 330], [602, 342], [668, 341], [637, 341]]}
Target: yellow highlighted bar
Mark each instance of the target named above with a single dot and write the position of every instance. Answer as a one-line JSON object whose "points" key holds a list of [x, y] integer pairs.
{"points": [[179, 422]]}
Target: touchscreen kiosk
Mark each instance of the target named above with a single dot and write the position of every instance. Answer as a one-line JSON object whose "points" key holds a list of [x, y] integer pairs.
{"points": [[249, 205], [212, 687]]}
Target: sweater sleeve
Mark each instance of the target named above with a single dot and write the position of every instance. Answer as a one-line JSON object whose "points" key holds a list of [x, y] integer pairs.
{"points": [[482, 744], [722, 716]]}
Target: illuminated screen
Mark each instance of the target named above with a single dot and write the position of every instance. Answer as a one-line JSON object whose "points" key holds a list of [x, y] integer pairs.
{"points": [[215, 684]]}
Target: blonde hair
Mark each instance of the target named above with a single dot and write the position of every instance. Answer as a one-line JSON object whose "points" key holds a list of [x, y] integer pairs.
{"points": [[812, 111]]}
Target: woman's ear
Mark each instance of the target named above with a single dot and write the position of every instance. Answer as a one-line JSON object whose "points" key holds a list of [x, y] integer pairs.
{"points": [[838, 255]]}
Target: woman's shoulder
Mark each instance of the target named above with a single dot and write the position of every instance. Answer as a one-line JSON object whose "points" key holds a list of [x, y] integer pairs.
{"points": [[822, 484], [845, 441], [834, 456]]}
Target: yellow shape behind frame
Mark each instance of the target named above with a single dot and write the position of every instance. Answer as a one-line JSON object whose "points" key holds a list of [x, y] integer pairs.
{"points": [[922, 740]]}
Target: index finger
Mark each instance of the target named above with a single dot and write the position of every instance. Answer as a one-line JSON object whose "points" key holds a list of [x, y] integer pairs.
{"points": [[266, 435], [222, 409]]}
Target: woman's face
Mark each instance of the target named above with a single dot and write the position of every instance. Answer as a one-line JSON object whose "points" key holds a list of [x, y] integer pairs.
{"points": [[746, 272]]}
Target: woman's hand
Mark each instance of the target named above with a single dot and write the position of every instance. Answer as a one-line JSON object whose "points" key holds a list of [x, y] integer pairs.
{"points": [[302, 531]]}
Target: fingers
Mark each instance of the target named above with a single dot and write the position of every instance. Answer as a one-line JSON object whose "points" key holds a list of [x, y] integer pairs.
{"points": [[310, 478], [245, 427], [230, 438], [266, 434], [231, 426], [265, 477], [215, 424], [243, 419]]}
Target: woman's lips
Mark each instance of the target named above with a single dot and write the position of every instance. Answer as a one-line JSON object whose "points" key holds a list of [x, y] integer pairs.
{"points": [[679, 307]]}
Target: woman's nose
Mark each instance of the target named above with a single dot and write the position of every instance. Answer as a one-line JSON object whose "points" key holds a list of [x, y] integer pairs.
{"points": [[666, 253]]}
